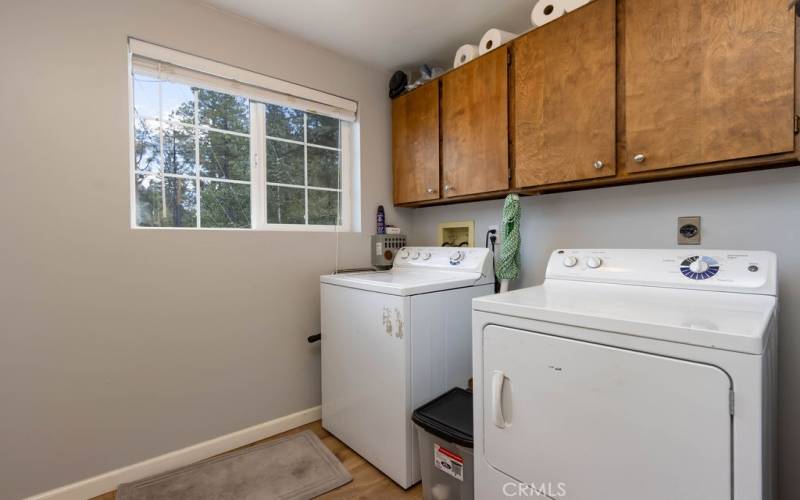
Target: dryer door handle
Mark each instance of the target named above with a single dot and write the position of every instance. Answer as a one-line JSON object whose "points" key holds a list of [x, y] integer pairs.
{"points": [[498, 378]]}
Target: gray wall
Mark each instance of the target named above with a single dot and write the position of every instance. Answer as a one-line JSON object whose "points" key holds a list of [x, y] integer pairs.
{"points": [[117, 345], [756, 210]]}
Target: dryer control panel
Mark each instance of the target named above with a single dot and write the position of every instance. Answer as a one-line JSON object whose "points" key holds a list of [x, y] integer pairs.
{"points": [[719, 270], [463, 259]]}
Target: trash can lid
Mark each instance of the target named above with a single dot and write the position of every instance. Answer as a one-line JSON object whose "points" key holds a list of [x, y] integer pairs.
{"points": [[449, 416]]}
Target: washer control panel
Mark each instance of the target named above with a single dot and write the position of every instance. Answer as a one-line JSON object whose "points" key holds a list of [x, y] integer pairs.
{"points": [[722, 270], [465, 259]]}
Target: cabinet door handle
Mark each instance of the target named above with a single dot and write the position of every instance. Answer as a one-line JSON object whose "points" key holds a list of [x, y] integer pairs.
{"points": [[640, 158], [598, 164], [497, 399], [448, 187], [430, 190]]}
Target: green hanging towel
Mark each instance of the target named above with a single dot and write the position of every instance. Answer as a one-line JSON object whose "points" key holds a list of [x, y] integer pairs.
{"points": [[508, 264]]}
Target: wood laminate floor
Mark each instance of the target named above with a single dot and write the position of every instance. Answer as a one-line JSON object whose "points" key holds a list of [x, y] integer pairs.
{"points": [[368, 482]]}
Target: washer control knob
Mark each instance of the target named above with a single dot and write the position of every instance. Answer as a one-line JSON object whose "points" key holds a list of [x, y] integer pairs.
{"points": [[426, 255], [456, 257], [403, 254], [699, 266], [570, 261], [415, 255], [594, 262]]}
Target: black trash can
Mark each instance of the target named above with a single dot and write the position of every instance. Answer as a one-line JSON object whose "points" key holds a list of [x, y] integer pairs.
{"points": [[444, 427]]}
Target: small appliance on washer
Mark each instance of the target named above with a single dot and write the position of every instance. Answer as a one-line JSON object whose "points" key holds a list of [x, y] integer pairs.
{"points": [[394, 340], [630, 375]]}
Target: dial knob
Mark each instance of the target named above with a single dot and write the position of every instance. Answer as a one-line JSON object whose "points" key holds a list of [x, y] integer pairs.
{"points": [[415, 255], [403, 254], [594, 262], [426, 255], [570, 261], [456, 257], [698, 266]]}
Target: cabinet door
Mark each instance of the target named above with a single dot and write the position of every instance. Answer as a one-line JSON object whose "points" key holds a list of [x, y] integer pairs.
{"points": [[415, 145], [564, 98], [475, 126], [707, 80]]}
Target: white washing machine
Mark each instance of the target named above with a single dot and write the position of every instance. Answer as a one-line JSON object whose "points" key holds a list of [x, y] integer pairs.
{"points": [[630, 375], [394, 340]]}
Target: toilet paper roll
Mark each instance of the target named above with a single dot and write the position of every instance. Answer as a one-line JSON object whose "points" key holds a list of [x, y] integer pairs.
{"points": [[493, 39], [546, 11], [465, 54], [570, 5]]}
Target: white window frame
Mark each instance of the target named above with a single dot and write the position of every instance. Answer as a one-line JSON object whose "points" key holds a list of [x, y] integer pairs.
{"points": [[226, 79]]}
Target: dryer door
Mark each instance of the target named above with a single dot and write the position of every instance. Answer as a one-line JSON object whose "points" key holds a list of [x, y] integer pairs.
{"points": [[584, 421]]}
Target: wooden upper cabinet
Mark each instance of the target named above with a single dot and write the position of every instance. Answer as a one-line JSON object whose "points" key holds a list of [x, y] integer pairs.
{"points": [[415, 145], [475, 126], [707, 81], [564, 98]]}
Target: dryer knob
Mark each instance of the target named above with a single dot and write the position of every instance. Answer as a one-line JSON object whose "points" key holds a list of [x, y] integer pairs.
{"points": [[426, 255], [570, 261], [594, 262], [415, 255], [403, 254], [699, 266]]}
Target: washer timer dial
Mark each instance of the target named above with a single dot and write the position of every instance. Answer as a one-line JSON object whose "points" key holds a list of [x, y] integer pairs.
{"points": [[699, 267]]}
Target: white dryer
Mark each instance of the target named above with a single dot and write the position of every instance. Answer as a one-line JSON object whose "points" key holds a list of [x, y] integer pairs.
{"points": [[394, 340], [630, 375]]}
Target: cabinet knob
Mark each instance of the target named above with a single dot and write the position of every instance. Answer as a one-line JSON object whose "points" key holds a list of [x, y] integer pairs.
{"points": [[599, 164], [430, 190], [640, 158], [448, 187]]}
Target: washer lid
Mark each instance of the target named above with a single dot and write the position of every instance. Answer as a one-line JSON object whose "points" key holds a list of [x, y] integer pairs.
{"points": [[719, 320], [406, 281]]}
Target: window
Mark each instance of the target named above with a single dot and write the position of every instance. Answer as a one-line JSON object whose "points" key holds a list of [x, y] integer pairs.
{"points": [[208, 154]]}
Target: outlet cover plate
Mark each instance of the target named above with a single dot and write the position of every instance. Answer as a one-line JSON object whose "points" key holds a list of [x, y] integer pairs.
{"points": [[685, 236]]}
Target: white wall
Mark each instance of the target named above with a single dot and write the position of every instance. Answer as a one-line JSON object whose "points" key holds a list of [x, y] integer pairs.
{"points": [[756, 210], [117, 345]]}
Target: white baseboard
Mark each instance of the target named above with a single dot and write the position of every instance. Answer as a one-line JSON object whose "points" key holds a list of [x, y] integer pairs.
{"points": [[109, 481]]}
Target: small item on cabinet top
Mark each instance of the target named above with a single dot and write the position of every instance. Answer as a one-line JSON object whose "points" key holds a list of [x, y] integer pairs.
{"points": [[426, 74], [397, 84], [545, 11], [465, 54], [494, 38], [381, 221]]}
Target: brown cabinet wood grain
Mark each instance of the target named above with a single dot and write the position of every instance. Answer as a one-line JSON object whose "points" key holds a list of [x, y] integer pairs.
{"points": [[475, 126], [564, 98], [415, 145], [707, 81]]}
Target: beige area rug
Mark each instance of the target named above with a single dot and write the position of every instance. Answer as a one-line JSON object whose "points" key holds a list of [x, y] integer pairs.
{"points": [[294, 467]]}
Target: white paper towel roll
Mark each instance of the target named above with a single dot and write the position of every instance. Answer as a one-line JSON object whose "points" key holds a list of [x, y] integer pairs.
{"points": [[493, 39], [570, 5], [465, 54], [546, 11]]}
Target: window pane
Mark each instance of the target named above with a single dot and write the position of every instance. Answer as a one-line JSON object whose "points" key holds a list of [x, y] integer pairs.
{"points": [[145, 96], [323, 130], [286, 123], [285, 163], [177, 102], [147, 156], [223, 111], [224, 204], [323, 207], [148, 200], [285, 205], [181, 201], [179, 149], [323, 167], [224, 156]]}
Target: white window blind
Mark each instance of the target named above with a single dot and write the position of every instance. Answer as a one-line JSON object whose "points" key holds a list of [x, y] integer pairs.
{"points": [[180, 67]]}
